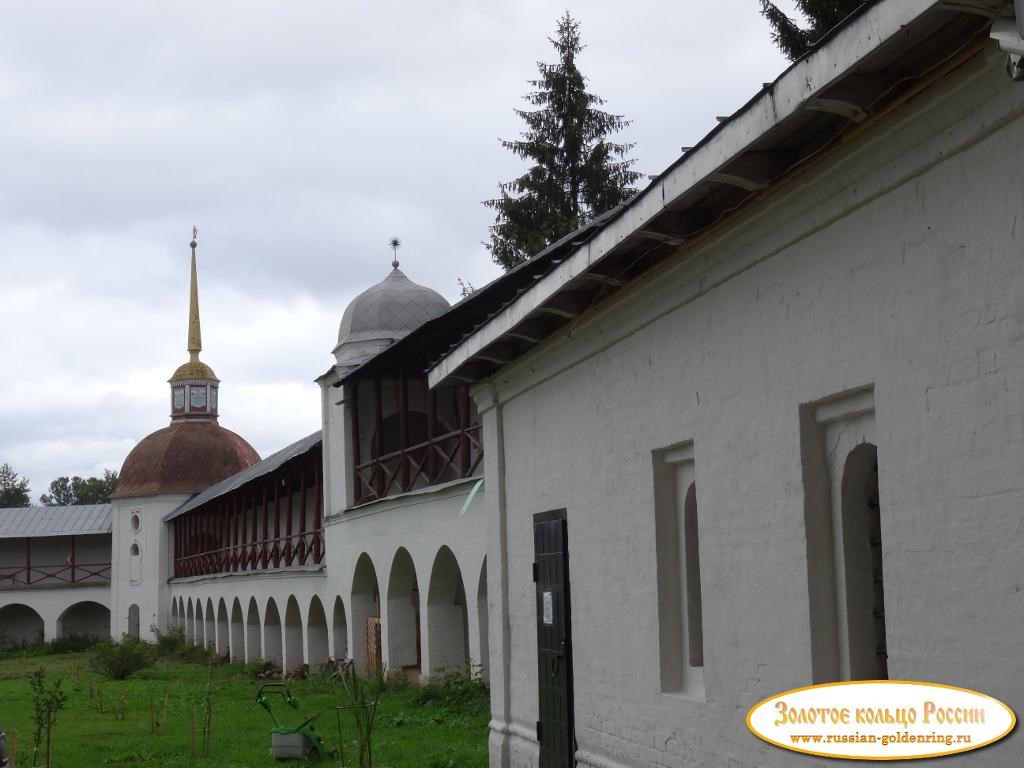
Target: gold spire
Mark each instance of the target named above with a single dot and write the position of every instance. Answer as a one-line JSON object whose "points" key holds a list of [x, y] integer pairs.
{"points": [[194, 368], [195, 333]]}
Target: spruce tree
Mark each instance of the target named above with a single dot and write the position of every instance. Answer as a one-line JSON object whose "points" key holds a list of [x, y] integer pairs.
{"points": [[794, 40], [576, 173]]}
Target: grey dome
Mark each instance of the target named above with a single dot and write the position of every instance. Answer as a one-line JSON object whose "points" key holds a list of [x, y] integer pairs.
{"points": [[384, 313]]}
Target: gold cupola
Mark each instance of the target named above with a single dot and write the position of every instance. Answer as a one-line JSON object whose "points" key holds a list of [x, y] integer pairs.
{"points": [[194, 385]]}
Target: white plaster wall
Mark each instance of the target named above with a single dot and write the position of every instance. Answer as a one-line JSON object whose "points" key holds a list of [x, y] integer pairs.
{"points": [[899, 265], [147, 587], [51, 603], [336, 442], [421, 522]]}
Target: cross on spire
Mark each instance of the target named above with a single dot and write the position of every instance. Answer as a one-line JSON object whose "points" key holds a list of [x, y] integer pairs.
{"points": [[395, 244], [195, 333]]}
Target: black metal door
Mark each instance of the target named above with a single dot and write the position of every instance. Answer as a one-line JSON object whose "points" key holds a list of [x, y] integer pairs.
{"points": [[554, 640]]}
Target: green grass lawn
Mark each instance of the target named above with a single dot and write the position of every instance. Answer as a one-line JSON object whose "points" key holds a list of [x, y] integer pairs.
{"points": [[440, 728]]}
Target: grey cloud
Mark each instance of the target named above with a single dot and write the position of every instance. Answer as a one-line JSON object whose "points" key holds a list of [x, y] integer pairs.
{"points": [[299, 137]]}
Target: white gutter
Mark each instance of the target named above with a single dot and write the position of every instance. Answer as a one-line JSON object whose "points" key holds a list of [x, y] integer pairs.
{"points": [[812, 74]]}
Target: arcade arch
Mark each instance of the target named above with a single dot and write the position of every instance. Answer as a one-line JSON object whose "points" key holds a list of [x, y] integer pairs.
{"points": [[447, 621], [317, 645], [365, 616], [19, 625], [403, 615], [272, 634], [253, 633], [293, 651]]}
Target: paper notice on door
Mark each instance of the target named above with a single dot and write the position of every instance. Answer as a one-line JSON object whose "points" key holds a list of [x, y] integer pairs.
{"points": [[549, 608]]}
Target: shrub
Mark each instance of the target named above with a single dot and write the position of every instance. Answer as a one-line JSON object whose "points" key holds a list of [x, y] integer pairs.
{"points": [[71, 643], [168, 644], [258, 668], [68, 644], [120, 660], [172, 644], [454, 689]]}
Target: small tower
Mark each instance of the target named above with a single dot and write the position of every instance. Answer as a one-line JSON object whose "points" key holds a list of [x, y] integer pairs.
{"points": [[194, 385], [372, 322], [162, 472]]}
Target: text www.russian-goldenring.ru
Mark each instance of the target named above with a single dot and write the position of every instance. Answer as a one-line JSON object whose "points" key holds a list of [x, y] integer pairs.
{"points": [[884, 740]]}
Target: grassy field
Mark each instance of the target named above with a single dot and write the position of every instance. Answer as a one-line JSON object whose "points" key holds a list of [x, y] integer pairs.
{"points": [[437, 727]]}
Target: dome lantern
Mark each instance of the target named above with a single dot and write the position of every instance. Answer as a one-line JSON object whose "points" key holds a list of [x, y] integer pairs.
{"points": [[194, 385]]}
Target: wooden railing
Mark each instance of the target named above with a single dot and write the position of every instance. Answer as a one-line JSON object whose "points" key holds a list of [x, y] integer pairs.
{"points": [[284, 552], [274, 521], [451, 456], [21, 576]]}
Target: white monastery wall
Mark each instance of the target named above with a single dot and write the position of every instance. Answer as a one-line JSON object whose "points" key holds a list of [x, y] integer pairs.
{"points": [[423, 523], [57, 611], [305, 615], [895, 273]]}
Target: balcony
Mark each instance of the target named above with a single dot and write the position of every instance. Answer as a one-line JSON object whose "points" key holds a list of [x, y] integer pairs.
{"points": [[50, 576]]}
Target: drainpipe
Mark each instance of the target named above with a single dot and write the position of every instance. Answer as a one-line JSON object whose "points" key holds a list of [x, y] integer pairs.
{"points": [[506, 621]]}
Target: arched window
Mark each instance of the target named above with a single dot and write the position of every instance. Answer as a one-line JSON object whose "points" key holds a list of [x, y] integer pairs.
{"points": [[135, 523], [691, 555], [677, 541], [135, 563], [862, 555]]}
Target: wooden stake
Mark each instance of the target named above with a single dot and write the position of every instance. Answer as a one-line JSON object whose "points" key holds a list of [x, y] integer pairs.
{"points": [[163, 720], [208, 731]]}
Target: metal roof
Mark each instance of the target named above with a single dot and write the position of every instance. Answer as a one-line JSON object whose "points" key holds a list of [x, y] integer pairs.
{"points": [[390, 309], [254, 472], [856, 75], [18, 522]]}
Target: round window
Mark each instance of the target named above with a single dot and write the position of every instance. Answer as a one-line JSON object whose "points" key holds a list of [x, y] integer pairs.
{"points": [[136, 522]]}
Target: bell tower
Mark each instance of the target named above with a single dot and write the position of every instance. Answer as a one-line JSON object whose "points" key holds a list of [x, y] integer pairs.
{"points": [[194, 385]]}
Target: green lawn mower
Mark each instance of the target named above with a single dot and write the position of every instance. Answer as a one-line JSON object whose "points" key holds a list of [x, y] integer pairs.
{"points": [[300, 742]]}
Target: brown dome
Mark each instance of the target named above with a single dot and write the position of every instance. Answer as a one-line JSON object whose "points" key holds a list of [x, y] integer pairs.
{"points": [[186, 457]]}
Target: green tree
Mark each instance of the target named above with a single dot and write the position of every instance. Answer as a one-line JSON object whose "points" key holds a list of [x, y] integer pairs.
{"points": [[69, 491], [821, 15], [576, 173], [14, 491]]}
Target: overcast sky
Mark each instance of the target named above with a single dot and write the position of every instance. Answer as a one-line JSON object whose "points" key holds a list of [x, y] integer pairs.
{"points": [[299, 137]]}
